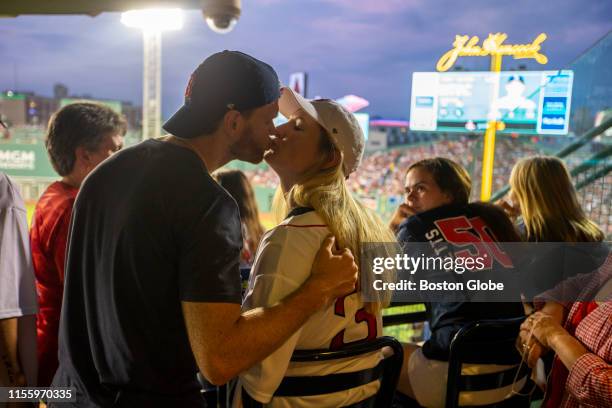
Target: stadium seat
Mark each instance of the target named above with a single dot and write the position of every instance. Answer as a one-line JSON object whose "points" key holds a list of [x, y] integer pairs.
{"points": [[387, 371], [468, 346], [215, 396]]}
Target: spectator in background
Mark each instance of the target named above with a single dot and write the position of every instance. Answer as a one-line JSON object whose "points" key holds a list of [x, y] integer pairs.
{"points": [[80, 136], [437, 194], [17, 292], [579, 334], [236, 183], [543, 194]]}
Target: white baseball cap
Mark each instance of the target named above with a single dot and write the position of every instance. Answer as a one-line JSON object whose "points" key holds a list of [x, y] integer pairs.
{"points": [[341, 126]]}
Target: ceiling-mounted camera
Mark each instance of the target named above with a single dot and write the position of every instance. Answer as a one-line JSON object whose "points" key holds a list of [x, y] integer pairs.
{"points": [[221, 15]]}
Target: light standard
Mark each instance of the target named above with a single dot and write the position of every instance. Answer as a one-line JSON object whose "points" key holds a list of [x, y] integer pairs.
{"points": [[152, 22]]}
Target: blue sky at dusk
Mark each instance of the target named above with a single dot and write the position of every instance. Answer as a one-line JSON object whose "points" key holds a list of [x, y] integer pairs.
{"points": [[365, 47]]}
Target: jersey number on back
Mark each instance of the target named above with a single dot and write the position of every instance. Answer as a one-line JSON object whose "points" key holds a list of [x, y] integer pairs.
{"points": [[361, 316], [458, 231]]}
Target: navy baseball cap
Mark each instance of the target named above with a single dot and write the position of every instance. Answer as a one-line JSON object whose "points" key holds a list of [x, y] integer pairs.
{"points": [[224, 81]]}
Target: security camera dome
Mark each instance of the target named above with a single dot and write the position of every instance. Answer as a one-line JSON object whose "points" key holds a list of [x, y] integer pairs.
{"points": [[221, 15], [221, 24]]}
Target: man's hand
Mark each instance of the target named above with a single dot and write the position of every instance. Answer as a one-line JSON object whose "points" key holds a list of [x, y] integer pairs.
{"points": [[401, 213], [225, 342], [334, 272]]}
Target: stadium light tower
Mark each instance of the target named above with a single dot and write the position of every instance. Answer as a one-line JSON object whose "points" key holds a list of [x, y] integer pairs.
{"points": [[152, 22]]}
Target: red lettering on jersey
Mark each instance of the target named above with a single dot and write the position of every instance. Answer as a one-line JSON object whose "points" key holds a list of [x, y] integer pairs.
{"points": [[339, 306], [338, 341], [490, 241], [370, 319], [458, 231], [361, 316]]}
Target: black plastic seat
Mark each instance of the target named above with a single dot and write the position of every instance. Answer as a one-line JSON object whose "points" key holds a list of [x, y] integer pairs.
{"points": [[487, 342], [387, 371]]}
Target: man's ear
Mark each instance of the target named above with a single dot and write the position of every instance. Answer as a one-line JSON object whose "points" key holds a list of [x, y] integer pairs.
{"points": [[83, 160], [232, 121], [82, 155]]}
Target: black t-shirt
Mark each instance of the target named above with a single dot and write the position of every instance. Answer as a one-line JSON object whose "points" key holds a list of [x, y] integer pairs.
{"points": [[447, 318], [150, 229]]}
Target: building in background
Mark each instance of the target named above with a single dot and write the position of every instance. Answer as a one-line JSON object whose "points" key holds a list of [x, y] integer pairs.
{"points": [[22, 152], [21, 109]]}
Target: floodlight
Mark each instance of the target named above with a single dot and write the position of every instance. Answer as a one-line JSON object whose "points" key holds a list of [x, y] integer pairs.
{"points": [[154, 19]]}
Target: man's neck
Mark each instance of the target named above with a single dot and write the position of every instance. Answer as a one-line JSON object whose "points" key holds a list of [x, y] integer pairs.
{"points": [[73, 180], [212, 153]]}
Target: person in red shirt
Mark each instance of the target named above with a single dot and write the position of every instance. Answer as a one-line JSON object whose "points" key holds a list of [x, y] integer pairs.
{"points": [[80, 136], [580, 335]]}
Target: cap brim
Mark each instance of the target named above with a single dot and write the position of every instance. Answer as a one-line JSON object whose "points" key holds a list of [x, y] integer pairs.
{"points": [[290, 102], [184, 123]]}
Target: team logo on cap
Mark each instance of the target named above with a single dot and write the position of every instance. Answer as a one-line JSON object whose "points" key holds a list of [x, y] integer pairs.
{"points": [[188, 89]]}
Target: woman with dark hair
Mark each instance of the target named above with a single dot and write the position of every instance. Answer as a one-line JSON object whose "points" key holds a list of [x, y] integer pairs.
{"points": [[437, 194], [431, 183], [239, 187]]}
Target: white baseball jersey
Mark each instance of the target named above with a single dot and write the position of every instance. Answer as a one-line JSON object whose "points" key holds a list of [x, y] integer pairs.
{"points": [[283, 262]]}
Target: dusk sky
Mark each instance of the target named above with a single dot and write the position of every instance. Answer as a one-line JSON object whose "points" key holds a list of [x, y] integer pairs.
{"points": [[365, 47]]}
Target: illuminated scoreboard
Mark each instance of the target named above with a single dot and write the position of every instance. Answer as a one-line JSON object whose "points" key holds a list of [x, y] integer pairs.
{"points": [[529, 102]]}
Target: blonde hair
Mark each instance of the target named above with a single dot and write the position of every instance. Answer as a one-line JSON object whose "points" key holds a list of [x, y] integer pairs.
{"points": [[325, 190], [549, 205]]}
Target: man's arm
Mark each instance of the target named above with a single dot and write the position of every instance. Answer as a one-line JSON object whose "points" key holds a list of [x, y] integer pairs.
{"points": [[10, 369], [226, 342], [27, 349], [18, 304]]}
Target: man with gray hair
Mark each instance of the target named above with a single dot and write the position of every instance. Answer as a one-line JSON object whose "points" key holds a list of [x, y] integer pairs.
{"points": [[80, 136]]}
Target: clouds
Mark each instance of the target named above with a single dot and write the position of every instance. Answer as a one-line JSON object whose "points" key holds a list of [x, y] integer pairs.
{"points": [[380, 7], [365, 47], [87, 54]]}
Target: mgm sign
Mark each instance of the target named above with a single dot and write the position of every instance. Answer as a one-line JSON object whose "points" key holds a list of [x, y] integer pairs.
{"points": [[17, 160]]}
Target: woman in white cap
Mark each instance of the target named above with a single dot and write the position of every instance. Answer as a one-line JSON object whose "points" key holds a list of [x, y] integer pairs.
{"points": [[313, 154]]}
